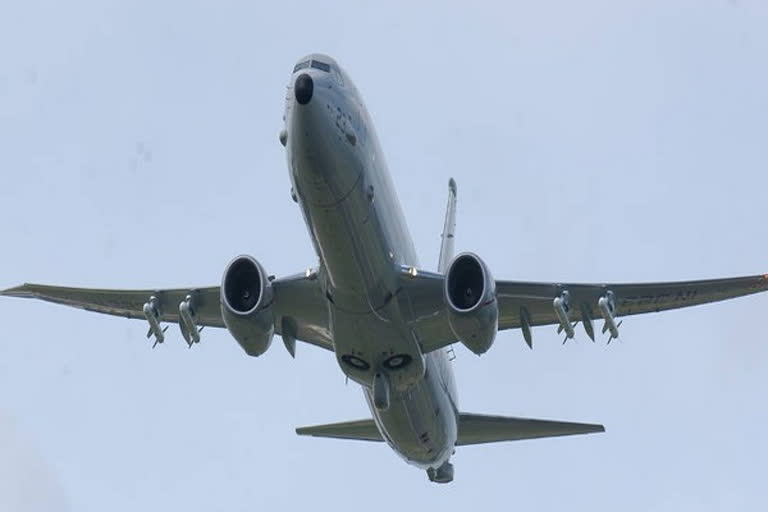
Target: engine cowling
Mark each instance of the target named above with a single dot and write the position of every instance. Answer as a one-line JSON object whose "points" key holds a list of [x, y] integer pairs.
{"points": [[246, 304], [470, 295]]}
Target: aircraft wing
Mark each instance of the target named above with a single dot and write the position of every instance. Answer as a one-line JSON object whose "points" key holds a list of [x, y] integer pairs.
{"points": [[630, 299], [527, 304], [296, 298]]}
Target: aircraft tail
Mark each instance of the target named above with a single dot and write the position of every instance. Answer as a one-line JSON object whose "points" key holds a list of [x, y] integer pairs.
{"points": [[473, 429], [449, 228]]}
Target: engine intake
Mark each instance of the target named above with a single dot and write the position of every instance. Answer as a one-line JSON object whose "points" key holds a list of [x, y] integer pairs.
{"points": [[466, 282], [246, 304], [242, 284], [470, 294]]}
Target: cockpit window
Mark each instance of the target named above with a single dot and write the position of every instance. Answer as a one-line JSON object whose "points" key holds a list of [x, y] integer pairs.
{"points": [[321, 66], [337, 75], [301, 65]]}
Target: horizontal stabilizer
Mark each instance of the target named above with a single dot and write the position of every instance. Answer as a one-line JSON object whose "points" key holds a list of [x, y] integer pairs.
{"points": [[473, 429], [479, 428], [358, 430]]}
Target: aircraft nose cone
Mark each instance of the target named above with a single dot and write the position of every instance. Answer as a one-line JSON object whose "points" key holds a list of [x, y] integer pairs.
{"points": [[303, 88]]}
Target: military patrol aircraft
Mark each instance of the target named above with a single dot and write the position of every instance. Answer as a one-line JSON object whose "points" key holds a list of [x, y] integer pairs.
{"points": [[389, 322]]}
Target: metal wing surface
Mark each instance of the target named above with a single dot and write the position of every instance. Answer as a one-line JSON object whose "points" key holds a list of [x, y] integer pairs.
{"points": [[482, 428], [298, 302], [631, 298], [521, 301]]}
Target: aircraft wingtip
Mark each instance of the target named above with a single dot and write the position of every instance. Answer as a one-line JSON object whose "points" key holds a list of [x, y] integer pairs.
{"points": [[452, 185], [16, 291]]}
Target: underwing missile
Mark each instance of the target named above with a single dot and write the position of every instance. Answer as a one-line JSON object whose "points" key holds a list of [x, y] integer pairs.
{"points": [[607, 306], [151, 311], [187, 322], [561, 305]]}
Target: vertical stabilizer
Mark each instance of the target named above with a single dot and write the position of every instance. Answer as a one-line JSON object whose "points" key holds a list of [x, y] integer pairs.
{"points": [[449, 228]]}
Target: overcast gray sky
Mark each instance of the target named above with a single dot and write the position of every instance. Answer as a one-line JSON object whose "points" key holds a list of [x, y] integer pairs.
{"points": [[591, 141]]}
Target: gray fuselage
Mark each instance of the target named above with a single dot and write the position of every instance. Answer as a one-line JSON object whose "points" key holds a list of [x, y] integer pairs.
{"points": [[341, 182]]}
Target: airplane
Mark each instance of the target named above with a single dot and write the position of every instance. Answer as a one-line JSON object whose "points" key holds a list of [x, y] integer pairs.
{"points": [[390, 323]]}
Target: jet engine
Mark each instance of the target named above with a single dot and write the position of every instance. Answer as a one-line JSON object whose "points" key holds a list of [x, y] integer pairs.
{"points": [[246, 304], [470, 294]]}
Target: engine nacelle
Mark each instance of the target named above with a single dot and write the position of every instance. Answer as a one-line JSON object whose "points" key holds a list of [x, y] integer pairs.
{"points": [[246, 304], [470, 294]]}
